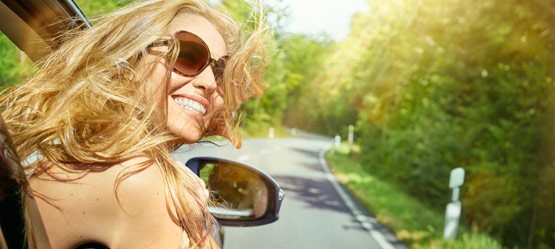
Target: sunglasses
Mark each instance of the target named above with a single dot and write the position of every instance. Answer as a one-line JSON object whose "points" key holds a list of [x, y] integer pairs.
{"points": [[194, 56]]}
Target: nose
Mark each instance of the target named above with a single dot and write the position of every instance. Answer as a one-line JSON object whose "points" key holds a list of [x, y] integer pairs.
{"points": [[206, 80]]}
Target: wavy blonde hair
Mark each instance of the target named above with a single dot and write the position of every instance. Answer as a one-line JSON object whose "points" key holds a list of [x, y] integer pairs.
{"points": [[90, 102]]}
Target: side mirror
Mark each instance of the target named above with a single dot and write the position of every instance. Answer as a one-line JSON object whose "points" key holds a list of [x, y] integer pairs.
{"points": [[240, 195]]}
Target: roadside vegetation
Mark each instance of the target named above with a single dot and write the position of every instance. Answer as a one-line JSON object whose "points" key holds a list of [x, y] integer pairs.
{"points": [[414, 223], [435, 85]]}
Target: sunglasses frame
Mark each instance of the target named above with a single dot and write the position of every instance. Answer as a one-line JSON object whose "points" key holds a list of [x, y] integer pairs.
{"points": [[216, 65]]}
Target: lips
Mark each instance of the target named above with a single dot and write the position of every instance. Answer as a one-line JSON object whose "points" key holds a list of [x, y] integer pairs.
{"points": [[191, 105]]}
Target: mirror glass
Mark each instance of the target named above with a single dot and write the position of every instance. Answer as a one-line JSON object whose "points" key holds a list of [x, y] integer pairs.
{"points": [[235, 192]]}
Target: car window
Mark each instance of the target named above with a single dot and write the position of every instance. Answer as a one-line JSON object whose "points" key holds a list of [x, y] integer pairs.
{"points": [[15, 66]]}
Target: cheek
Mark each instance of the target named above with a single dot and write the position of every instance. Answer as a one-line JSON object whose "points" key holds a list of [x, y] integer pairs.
{"points": [[156, 75]]}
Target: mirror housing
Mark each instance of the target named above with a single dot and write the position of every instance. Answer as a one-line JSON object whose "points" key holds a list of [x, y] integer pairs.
{"points": [[240, 195]]}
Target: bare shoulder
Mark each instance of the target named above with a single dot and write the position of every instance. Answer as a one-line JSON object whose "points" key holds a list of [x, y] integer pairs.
{"points": [[145, 208], [124, 206], [137, 182]]}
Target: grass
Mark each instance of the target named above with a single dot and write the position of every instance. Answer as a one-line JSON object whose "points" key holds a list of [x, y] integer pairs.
{"points": [[412, 222]]}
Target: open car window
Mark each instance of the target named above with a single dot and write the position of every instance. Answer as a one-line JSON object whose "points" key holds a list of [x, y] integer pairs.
{"points": [[33, 24], [27, 32]]}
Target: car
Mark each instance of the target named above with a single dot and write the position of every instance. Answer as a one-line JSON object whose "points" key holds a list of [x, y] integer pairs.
{"points": [[252, 198]]}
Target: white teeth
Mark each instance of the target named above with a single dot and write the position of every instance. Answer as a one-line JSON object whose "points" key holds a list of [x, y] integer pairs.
{"points": [[191, 105]]}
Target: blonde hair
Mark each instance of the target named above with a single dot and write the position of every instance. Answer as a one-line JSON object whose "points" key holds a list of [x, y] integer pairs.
{"points": [[89, 103]]}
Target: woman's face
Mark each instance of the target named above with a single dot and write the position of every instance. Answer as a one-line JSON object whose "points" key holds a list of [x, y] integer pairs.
{"points": [[192, 101]]}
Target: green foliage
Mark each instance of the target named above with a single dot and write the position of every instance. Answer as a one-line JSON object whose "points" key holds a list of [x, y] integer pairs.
{"points": [[8, 62], [14, 65], [303, 62], [468, 241], [239, 9], [93, 9], [412, 222]]}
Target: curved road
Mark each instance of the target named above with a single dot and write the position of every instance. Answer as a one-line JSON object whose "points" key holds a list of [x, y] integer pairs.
{"points": [[316, 212]]}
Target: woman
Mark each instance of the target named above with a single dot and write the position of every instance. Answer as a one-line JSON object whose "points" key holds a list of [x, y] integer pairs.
{"points": [[95, 127]]}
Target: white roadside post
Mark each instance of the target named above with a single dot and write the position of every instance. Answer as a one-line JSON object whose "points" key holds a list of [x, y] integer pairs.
{"points": [[271, 132], [453, 210], [351, 136], [337, 141]]}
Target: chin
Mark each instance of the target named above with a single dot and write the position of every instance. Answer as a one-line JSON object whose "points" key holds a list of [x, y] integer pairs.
{"points": [[190, 140], [188, 133], [188, 126]]}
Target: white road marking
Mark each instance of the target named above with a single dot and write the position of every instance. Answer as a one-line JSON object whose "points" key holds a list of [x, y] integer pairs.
{"points": [[377, 236]]}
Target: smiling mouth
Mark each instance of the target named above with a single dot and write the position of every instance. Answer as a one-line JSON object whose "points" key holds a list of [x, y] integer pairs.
{"points": [[191, 105]]}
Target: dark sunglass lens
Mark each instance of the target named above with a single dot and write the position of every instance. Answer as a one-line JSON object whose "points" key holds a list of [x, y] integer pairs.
{"points": [[192, 58], [193, 54], [219, 67]]}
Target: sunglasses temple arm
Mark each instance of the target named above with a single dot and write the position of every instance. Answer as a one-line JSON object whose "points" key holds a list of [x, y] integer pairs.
{"points": [[159, 43]]}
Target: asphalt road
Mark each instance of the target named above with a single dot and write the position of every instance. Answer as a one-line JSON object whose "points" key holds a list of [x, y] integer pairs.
{"points": [[316, 212]]}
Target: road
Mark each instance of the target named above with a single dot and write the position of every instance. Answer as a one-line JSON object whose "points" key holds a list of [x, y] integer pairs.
{"points": [[316, 212]]}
